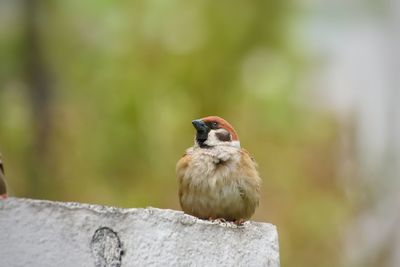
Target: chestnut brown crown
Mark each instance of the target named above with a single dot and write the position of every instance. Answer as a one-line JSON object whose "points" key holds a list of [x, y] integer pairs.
{"points": [[214, 127]]}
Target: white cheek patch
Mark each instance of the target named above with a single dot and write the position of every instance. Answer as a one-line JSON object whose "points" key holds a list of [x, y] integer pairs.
{"points": [[213, 139]]}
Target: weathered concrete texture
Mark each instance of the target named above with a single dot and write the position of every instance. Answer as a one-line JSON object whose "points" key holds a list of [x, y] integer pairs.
{"points": [[44, 233]]}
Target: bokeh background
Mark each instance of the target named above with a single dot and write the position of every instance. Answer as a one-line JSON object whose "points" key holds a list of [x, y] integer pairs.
{"points": [[97, 98]]}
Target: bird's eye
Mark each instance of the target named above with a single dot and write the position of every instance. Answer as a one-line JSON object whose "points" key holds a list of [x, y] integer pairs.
{"points": [[214, 124]]}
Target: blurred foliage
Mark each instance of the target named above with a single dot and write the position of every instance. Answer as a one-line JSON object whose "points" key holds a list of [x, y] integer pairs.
{"points": [[127, 78]]}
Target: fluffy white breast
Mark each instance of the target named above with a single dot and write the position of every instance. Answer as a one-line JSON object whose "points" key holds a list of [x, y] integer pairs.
{"points": [[210, 166], [214, 155], [214, 184]]}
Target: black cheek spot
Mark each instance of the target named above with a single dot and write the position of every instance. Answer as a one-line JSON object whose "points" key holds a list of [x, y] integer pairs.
{"points": [[223, 136]]}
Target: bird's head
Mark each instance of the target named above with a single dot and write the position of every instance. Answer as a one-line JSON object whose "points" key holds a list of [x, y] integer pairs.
{"points": [[215, 131]]}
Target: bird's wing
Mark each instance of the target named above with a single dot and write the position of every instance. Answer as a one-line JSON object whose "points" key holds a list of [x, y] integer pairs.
{"points": [[250, 189], [181, 168], [247, 156]]}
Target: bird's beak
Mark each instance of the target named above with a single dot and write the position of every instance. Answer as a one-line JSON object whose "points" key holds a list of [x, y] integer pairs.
{"points": [[200, 126], [202, 131]]}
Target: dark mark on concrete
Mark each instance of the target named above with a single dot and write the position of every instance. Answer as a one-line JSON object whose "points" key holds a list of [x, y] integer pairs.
{"points": [[106, 248]]}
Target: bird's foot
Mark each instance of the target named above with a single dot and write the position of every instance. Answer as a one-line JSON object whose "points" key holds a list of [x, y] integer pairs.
{"points": [[216, 219], [239, 222], [3, 196]]}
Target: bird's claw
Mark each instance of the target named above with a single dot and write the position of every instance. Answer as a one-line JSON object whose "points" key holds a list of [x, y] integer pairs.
{"points": [[216, 219], [239, 222]]}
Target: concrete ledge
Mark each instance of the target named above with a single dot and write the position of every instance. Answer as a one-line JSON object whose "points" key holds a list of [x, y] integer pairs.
{"points": [[45, 233]]}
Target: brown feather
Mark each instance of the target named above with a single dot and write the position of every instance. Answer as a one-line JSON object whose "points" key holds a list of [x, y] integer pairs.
{"points": [[211, 189], [222, 124], [181, 168]]}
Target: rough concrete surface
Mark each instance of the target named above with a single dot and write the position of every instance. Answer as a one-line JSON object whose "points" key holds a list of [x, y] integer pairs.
{"points": [[44, 233]]}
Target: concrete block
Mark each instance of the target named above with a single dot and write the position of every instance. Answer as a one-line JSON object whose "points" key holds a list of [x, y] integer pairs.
{"points": [[45, 233]]}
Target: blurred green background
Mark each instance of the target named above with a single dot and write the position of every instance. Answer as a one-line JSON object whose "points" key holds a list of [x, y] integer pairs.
{"points": [[97, 99]]}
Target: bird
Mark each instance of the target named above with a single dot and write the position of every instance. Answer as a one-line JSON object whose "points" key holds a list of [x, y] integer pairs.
{"points": [[3, 189], [217, 179]]}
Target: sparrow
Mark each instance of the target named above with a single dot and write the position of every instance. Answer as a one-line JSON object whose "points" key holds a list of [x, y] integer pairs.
{"points": [[3, 190], [217, 178]]}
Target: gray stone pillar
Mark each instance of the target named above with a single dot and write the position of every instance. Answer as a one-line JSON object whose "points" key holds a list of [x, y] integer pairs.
{"points": [[44, 233]]}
